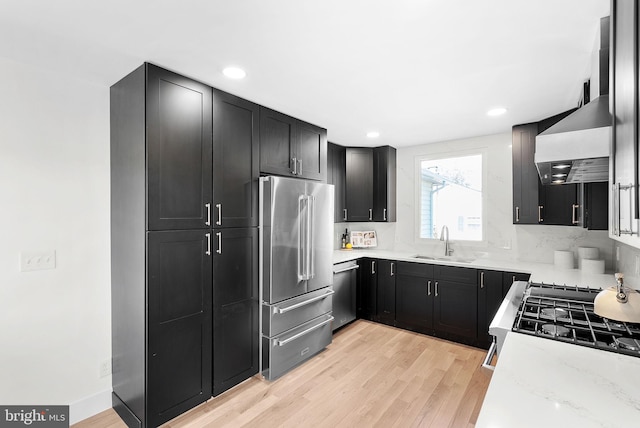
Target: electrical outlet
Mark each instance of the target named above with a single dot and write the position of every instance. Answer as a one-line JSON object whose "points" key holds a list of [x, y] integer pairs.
{"points": [[637, 267], [37, 260], [105, 368]]}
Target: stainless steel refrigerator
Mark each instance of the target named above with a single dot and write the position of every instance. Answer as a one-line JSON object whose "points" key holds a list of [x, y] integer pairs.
{"points": [[296, 271]]}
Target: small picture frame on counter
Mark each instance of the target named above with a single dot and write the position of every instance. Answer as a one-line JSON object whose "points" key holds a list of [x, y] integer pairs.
{"points": [[364, 239]]}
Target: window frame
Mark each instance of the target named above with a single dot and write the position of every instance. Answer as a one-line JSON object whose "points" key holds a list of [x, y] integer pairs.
{"points": [[483, 152]]}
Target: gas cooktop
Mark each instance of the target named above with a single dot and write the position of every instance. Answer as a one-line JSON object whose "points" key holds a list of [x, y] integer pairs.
{"points": [[565, 313]]}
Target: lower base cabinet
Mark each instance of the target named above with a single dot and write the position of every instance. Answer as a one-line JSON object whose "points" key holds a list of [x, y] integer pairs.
{"points": [[235, 307], [455, 303]]}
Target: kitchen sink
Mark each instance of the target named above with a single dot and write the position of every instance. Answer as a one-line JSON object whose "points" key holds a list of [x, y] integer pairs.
{"points": [[444, 258]]}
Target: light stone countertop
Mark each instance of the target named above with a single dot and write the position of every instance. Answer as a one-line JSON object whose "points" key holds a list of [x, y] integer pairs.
{"points": [[546, 383], [540, 272]]}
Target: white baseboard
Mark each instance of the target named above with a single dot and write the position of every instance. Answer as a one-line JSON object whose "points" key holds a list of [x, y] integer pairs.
{"points": [[89, 406]]}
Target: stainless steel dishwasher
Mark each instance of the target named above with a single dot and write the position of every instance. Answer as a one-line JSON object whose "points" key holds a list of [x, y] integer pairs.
{"points": [[344, 298]]}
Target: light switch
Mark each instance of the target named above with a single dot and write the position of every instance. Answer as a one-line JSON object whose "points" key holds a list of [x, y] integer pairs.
{"points": [[37, 260]]}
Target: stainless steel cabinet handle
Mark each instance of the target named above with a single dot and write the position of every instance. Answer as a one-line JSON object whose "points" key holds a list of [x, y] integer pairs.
{"points": [[278, 310], [370, 214], [487, 360], [300, 168], [373, 268], [219, 221], [384, 214], [219, 235], [429, 288], [302, 333], [208, 222], [540, 213], [392, 272], [574, 213], [436, 288], [344, 217], [481, 279], [629, 188], [208, 252], [517, 214], [295, 166]]}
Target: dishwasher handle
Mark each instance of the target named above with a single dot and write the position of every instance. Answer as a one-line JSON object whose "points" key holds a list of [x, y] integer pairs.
{"points": [[347, 269]]}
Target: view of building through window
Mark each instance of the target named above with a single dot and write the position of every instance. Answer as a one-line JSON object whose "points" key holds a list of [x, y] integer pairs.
{"points": [[451, 195]]}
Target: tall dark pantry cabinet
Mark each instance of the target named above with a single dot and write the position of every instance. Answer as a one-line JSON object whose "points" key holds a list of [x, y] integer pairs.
{"points": [[184, 170]]}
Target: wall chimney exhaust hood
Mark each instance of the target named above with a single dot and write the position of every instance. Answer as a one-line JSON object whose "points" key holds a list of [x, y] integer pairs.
{"points": [[576, 149]]}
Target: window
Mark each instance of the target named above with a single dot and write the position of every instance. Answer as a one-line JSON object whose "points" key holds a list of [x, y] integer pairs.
{"points": [[451, 195]]}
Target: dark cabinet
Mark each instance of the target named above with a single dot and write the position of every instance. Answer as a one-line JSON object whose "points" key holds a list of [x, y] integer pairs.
{"points": [[179, 323], [161, 179], [235, 306], [455, 303], [178, 145], [490, 297], [384, 184], [525, 174], [236, 154], [559, 205], [291, 147], [367, 289], [593, 213], [371, 184], [414, 297], [386, 293], [173, 179], [336, 175], [359, 183]]}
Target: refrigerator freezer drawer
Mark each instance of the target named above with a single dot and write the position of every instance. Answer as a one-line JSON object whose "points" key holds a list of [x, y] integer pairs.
{"points": [[282, 353], [279, 318]]}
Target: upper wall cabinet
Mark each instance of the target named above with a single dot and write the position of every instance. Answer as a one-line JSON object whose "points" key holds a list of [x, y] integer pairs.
{"points": [[624, 108], [384, 184], [359, 183], [371, 184], [291, 147], [336, 175], [236, 161], [178, 124]]}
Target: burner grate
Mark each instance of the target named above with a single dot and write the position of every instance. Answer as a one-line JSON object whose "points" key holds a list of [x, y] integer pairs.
{"points": [[565, 313]]}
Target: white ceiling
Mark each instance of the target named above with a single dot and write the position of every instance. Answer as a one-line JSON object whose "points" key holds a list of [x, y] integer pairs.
{"points": [[417, 71]]}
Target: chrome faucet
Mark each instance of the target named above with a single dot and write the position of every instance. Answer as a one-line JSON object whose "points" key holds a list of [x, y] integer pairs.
{"points": [[444, 236]]}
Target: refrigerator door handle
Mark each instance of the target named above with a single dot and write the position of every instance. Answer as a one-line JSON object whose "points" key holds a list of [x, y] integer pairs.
{"points": [[311, 210], [301, 238]]}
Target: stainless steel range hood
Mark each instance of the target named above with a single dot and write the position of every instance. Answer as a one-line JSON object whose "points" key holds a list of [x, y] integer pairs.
{"points": [[576, 149]]}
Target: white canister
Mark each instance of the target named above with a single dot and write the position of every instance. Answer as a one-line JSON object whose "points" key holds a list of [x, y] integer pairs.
{"points": [[592, 266], [589, 253], [563, 259]]}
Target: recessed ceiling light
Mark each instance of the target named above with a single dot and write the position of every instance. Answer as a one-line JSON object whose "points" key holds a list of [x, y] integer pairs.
{"points": [[558, 181], [562, 166], [558, 175], [497, 111], [234, 73], [373, 134]]}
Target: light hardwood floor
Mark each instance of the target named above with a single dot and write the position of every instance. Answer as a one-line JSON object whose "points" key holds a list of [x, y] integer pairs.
{"points": [[371, 375]]}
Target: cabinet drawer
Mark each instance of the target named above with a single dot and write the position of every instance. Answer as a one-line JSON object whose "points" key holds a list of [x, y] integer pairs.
{"points": [[289, 349], [286, 315], [455, 274], [415, 269]]}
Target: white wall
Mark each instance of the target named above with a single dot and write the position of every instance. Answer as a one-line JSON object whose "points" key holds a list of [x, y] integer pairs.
{"points": [[503, 239], [55, 325]]}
